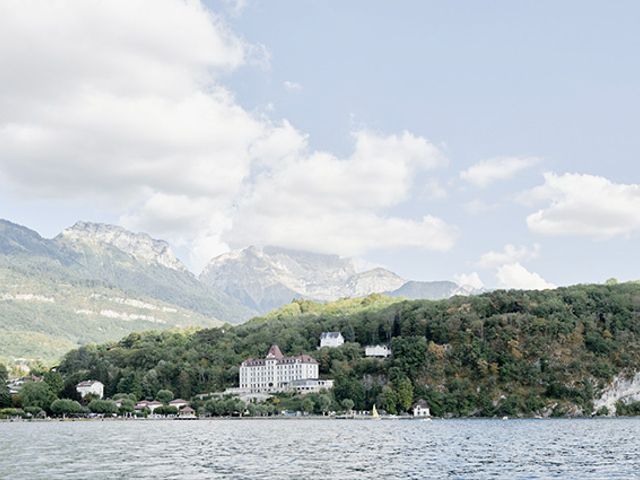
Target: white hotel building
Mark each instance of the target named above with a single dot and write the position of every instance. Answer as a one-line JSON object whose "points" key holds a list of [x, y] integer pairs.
{"points": [[275, 372]]}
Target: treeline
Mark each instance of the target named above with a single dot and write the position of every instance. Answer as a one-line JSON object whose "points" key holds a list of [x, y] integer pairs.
{"points": [[501, 353]]}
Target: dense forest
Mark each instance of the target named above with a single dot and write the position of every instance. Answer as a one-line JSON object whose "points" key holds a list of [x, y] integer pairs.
{"points": [[501, 353]]}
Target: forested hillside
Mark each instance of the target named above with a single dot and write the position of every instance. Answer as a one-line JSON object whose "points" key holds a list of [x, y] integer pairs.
{"points": [[501, 353]]}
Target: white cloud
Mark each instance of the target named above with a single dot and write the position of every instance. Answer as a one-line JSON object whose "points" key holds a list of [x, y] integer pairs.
{"points": [[515, 276], [323, 203], [121, 104], [486, 172], [509, 254], [292, 86], [434, 190], [584, 205], [469, 279]]}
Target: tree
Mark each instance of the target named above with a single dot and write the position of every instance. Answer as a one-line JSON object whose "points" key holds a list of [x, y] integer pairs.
{"points": [[5, 398], [347, 404], [127, 405], [389, 400], [164, 396], [103, 406], [37, 394], [405, 394], [307, 405], [55, 382], [166, 410], [64, 406], [324, 403]]}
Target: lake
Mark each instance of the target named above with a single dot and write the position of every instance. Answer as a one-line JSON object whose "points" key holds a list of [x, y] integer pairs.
{"points": [[323, 449]]}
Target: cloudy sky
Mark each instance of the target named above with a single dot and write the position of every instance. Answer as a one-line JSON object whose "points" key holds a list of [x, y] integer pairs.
{"points": [[494, 143]]}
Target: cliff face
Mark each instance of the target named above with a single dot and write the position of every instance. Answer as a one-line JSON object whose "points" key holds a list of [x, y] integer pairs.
{"points": [[139, 245], [269, 277], [624, 389]]}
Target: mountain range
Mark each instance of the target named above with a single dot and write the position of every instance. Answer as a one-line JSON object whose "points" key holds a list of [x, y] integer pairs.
{"points": [[95, 282]]}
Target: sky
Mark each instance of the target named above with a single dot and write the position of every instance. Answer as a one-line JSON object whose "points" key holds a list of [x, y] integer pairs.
{"points": [[491, 143]]}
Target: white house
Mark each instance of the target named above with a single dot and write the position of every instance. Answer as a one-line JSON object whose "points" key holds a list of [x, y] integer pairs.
{"points": [[310, 385], [93, 387], [378, 351], [421, 409], [331, 339], [274, 372]]}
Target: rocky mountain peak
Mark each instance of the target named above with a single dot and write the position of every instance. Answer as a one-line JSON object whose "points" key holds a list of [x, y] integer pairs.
{"points": [[139, 245]]}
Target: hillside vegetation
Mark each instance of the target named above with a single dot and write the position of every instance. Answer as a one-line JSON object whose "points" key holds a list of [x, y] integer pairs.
{"points": [[501, 353]]}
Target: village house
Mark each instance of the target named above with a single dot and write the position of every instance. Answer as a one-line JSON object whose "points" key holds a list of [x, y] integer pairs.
{"points": [[274, 372], [151, 406], [377, 351], [187, 412], [93, 387], [331, 339], [178, 403], [421, 409]]}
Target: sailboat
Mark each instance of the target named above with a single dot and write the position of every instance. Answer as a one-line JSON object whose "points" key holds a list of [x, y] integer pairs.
{"points": [[374, 414]]}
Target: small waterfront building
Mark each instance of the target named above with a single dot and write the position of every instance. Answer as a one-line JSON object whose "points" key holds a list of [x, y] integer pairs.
{"points": [[141, 405], [178, 403], [331, 339], [93, 387], [187, 412], [310, 385], [421, 409], [377, 351], [274, 372]]}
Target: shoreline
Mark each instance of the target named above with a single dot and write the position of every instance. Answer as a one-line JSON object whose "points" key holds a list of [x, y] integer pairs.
{"points": [[305, 418]]}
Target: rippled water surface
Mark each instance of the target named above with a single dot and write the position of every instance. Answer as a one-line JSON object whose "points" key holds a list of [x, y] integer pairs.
{"points": [[324, 449]]}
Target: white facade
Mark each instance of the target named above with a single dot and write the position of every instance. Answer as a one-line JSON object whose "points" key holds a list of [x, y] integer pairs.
{"points": [[378, 351], [421, 409], [312, 385], [275, 372], [90, 387], [331, 339]]}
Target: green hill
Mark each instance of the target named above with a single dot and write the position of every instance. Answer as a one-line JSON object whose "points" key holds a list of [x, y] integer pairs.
{"points": [[56, 295], [501, 353]]}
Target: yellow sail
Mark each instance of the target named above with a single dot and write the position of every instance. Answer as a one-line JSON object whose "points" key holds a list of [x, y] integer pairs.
{"points": [[374, 413]]}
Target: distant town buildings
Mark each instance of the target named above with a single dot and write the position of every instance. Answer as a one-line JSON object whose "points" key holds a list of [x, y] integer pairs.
{"points": [[275, 372], [151, 406], [15, 385], [331, 339], [377, 351], [93, 387], [421, 409]]}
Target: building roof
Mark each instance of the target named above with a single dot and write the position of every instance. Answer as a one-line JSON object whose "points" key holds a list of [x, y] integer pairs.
{"points": [[421, 404], [88, 383], [176, 401], [330, 335], [187, 410], [276, 353]]}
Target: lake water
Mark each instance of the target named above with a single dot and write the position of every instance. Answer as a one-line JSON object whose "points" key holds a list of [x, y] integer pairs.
{"points": [[323, 449]]}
